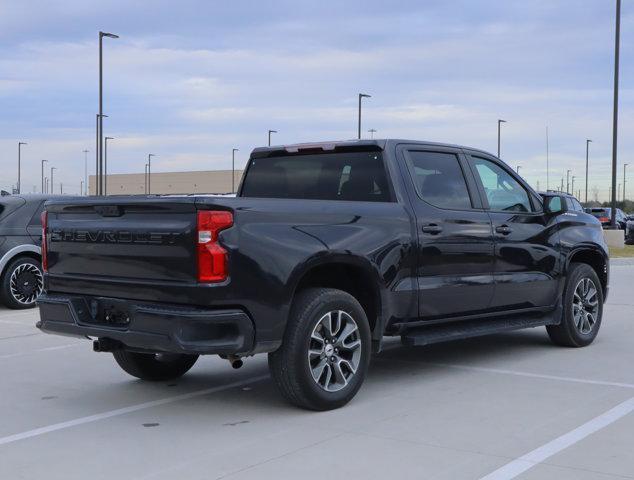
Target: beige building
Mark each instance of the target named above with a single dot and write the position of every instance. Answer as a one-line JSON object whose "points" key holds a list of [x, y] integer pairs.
{"points": [[208, 181]]}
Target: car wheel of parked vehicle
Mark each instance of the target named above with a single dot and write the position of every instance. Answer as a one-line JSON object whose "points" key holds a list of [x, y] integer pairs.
{"points": [[325, 351], [22, 283], [583, 308], [154, 366]]}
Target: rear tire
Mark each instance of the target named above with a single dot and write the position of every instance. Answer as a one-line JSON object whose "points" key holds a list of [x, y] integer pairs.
{"points": [[22, 283], [326, 350], [154, 367], [582, 308]]}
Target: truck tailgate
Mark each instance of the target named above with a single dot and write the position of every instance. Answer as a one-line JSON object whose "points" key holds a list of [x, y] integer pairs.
{"points": [[123, 238]]}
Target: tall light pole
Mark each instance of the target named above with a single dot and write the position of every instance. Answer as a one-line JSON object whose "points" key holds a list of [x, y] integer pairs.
{"points": [[615, 115], [573, 185], [518, 169], [43, 161], [81, 187], [100, 117], [372, 131], [86, 168], [233, 165], [568, 181], [19, 162], [52, 170], [105, 182], [270, 132], [149, 172], [547, 161], [97, 150], [46, 184], [500, 122], [361, 95], [624, 180], [145, 180], [588, 142]]}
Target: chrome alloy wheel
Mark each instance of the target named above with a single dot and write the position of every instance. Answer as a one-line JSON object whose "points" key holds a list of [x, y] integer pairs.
{"points": [[334, 352], [585, 306], [26, 283]]}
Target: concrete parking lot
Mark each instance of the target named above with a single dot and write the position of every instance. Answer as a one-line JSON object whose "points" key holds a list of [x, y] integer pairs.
{"points": [[506, 406]]}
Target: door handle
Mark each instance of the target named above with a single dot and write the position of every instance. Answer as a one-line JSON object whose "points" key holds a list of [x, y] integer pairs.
{"points": [[503, 229], [432, 229]]}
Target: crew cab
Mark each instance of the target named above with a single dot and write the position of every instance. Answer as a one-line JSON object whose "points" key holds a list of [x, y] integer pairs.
{"points": [[327, 249]]}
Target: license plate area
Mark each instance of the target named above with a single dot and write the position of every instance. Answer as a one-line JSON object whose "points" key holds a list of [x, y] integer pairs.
{"points": [[110, 313]]}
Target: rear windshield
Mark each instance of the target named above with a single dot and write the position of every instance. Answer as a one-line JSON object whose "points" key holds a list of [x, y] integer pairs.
{"points": [[600, 212], [354, 176]]}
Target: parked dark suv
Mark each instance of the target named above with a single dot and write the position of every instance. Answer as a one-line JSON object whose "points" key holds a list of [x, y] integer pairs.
{"points": [[20, 253], [605, 214]]}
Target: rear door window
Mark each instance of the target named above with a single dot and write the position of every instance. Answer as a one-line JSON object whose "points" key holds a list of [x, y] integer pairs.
{"points": [[350, 176], [439, 179]]}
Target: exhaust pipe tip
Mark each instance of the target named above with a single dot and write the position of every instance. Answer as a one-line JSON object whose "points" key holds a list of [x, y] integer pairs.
{"points": [[236, 363]]}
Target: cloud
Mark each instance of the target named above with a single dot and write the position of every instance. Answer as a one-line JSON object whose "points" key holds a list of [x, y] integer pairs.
{"points": [[191, 83]]}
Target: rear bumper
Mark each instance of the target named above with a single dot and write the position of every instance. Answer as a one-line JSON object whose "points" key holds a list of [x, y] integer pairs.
{"points": [[151, 327]]}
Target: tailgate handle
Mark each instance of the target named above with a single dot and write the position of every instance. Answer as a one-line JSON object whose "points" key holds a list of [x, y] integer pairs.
{"points": [[109, 210]]}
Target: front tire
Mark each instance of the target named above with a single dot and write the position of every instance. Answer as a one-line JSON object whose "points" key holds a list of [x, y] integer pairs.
{"points": [[154, 367], [22, 283], [326, 350], [583, 308]]}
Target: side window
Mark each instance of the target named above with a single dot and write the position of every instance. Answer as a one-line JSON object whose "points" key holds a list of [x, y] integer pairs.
{"points": [[503, 192], [439, 180], [576, 206]]}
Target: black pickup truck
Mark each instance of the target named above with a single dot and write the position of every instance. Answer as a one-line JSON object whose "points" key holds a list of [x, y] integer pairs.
{"points": [[327, 249]]}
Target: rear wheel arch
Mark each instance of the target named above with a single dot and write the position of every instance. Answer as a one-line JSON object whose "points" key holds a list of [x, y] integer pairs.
{"points": [[356, 278]]}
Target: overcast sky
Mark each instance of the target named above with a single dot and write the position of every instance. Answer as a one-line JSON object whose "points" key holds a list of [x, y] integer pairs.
{"points": [[190, 80]]}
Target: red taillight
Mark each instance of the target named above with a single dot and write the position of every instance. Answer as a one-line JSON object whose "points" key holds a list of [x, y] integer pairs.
{"points": [[604, 219], [44, 243], [212, 258]]}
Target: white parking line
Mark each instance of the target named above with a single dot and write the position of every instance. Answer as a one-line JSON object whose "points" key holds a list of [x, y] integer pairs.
{"points": [[520, 465], [13, 313], [516, 373], [123, 411], [47, 349]]}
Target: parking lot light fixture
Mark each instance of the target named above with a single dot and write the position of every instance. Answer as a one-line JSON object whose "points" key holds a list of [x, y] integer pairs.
{"points": [[372, 131], [568, 180], [361, 95], [43, 183], [233, 165], [52, 170], [19, 163], [100, 115], [86, 169], [270, 132], [105, 164], [149, 172], [500, 122], [588, 142], [615, 112], [624, 180]]}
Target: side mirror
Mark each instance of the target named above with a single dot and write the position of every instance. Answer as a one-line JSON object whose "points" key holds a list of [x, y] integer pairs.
{"points": [[553, 204]]}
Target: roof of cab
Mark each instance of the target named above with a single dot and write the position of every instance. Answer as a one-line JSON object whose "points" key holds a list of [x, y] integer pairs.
{"points": [[346, 145]]}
